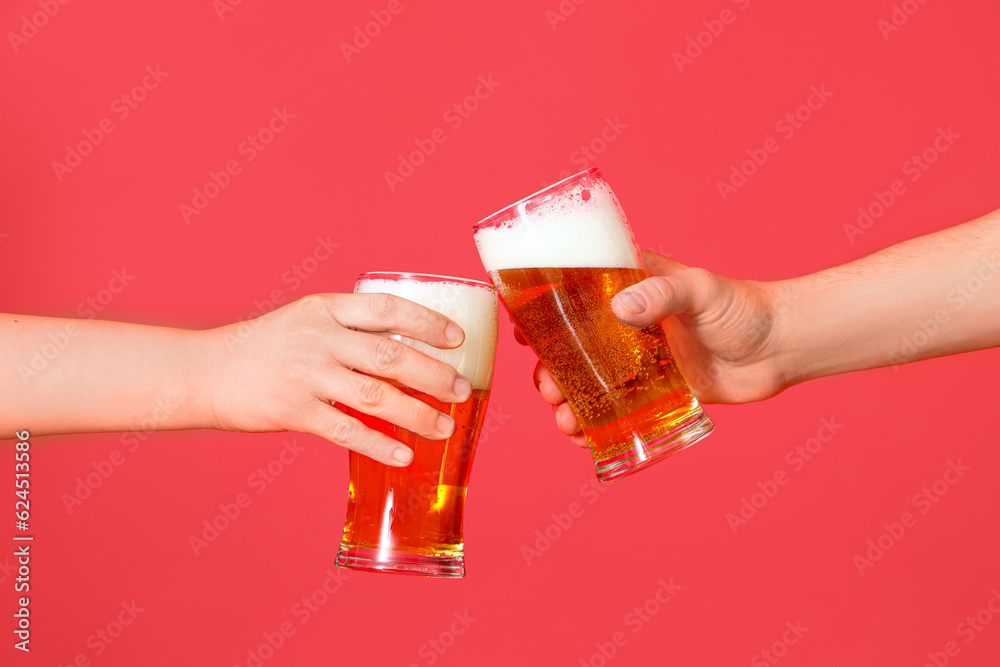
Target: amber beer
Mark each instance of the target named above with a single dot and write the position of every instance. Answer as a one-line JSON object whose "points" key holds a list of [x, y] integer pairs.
{"points": [[409, 520], [557, 258]]}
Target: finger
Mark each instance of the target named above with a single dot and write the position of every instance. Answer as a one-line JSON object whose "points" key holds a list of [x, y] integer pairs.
{"points": [[328, 422], [389, 358], [386, 313], [565, 419], [658, 265], [547, 386], [378, 398], [519, 337], [580, 440], [653, 299]]}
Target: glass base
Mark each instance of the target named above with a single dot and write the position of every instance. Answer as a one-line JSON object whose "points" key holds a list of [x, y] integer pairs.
{"points": [[374, 560], [645, 454]]}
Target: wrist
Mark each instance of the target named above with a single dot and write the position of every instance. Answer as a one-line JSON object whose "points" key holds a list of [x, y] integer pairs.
{"points": [[204, 356], [789, 365]]}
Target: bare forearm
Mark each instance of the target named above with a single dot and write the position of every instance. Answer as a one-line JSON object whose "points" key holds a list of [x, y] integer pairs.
{"points": [[930, 296], [286, 370], [72, 376]]}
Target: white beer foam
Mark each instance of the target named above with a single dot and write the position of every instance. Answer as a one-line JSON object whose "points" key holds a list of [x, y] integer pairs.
{"points": [[564, 232], [474, 308]]}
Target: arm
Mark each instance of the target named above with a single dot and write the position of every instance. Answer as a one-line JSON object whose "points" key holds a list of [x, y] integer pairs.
{"points": [[282, 371], [738, 341], [927, 297]]}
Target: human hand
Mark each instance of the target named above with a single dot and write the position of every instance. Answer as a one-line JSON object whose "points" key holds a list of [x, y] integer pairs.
{"points": [[293, 364], [721, 333]]}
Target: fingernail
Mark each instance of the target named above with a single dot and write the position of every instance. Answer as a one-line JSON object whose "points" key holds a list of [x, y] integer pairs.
{"points": [[403, 455], [446, 425], [463, 388], [633, 302], [454, 333]]}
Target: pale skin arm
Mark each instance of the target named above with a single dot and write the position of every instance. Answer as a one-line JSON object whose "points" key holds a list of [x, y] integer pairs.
{"points": [[282, 371], [738, 341]]}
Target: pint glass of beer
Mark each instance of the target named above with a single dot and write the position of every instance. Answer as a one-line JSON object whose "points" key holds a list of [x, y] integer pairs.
{"points": [[557, 258], [409, 520]]}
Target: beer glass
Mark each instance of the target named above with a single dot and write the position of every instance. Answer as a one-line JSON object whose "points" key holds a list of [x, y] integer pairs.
{"points": [[557, 258], [409, 520]]}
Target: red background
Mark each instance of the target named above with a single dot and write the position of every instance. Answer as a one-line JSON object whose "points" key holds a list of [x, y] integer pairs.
{"points": [[324, 176]]}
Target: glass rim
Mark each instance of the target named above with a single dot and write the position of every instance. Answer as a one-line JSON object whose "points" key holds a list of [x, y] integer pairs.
{"points": [[421, 278], [490, 220]]}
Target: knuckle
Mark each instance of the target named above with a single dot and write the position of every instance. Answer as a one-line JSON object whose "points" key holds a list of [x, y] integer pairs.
{"points": [[426, 319], [442, 373], [314, 303], [426, 416], [331, 303], [374, 447], [295, 373], [446, 379], [701, 278], [385, 307], [345, 431], [698, 273], [419, 417], [372, 393], [660, 289], [388, 353]]}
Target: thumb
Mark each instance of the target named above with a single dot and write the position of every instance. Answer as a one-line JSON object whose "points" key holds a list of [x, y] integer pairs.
{"points": [[652, 300]]}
